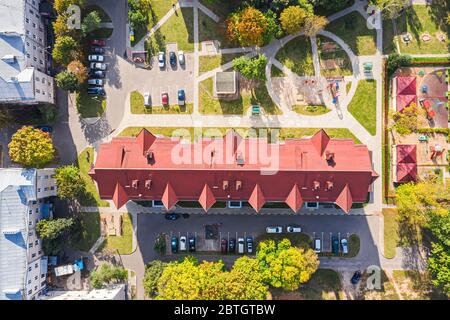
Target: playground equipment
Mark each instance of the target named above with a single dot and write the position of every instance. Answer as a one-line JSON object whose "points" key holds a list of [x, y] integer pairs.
{"points": [[256, 110]]}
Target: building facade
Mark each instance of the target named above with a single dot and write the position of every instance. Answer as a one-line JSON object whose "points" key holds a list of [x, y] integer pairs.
{"points": [[297, 172], [24, 56], [24, 200]]}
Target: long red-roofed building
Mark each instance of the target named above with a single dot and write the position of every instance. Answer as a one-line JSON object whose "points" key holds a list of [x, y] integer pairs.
{"points": [[317, 169]]}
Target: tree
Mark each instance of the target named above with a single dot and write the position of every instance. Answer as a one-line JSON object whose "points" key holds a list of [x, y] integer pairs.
{"points": [[31, 147], [406, 120], [314, 24], [440, 228], [65, 50], [69, 182], [60, 26], [79, 70], [91, 22], [391, 8], [138, 12], [285, 266], [439, 266], [107, 274], [251, 68], [332, 5], [160, 244], [5, 118], [248, 27], [48, 112], [61, 6], [273, 28], [396, 61], [67, 80], [292, 19], [53, 228], [153, 272]]}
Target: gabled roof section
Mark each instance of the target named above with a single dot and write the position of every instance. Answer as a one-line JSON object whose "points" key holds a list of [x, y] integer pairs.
{"points": [[345, 200], [406, 86], [145, 139], [320, 141], [207, 198], [169, 198], [406, 172], [406, 153], [257, 198], [294, 200], [120, 196]]}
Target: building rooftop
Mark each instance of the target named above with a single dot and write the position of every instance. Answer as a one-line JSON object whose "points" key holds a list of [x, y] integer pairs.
{"points": [[225, 82]]}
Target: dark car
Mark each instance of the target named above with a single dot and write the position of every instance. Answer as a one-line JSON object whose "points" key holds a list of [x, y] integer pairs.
{"points": [[223, 246], [181, 97], [174, 244], [249, 241], [356, 277], [97, 74], [47, 129], [232, 245], [96, 90], [191, 242], [97, 50], [172, 216], [173, 59], [98, 42], [335, 245]]}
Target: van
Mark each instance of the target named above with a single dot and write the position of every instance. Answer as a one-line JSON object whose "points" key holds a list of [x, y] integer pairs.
{"points": [[317, 245], [241, 245], [183, 243]]}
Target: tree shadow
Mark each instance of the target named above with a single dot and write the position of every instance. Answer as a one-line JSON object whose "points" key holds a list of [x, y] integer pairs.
{"points": [[97, 131]]}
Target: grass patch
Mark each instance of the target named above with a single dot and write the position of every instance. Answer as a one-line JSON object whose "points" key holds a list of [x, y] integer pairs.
{"points": [[325, 284], [352, 29], [286, 133], [91, 197], [102, 33], [297, 56], [208, 63], [416, 285], [386, 291], [221, 8], [310, 110], [138, 107], [258, 95], [90, 106], [364, 105], [88, 231], [208, 29], [344, 68], [275, 72], [388, 37], [124, 243], [391, 237]]}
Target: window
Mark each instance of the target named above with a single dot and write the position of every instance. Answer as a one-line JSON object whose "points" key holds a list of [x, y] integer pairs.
{"points": [[34, 36], [43, 283], [28, 44], [30, 211], [38, 91], [33, 255], [35, 288], [29, 268], [34, 202], [28, 55], [30, 223], [34, 59], [29, 281], [30, 234], [37, 210], [39, 189], [31, 11], [235, 204], [34, 47], [30, 245], [36, 242], [35, 265], [52, 187], [35, 278], [34, 25], [42, 275], [27, 20], [41, 62], [40, 251], [43, 81], [30, 291], [27, 32]]}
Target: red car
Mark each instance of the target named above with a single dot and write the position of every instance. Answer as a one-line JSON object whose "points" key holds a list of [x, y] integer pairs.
{"points": [[165, 98], [223, 246], [98, 42]]}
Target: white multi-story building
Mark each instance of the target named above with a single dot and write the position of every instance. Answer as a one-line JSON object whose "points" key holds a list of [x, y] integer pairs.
{"points": [[23, 202], [112, 292], [24, 68]]}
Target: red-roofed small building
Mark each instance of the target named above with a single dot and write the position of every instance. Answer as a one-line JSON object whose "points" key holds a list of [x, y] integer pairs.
{"points": [[233, 169], [406, 92], [406, 159]]}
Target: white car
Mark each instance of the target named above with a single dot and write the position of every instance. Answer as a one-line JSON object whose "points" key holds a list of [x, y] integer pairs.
{"points": [[96, 58], [274, 229], [97, 66], [183, 243], [344, 244], [317, 245], [96, 82], [147, 102], [161, 59], [181, 57], [241, 244], [293, 229]]}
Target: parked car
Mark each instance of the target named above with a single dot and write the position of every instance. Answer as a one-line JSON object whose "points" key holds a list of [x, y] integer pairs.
{"points": [[173, 59], [232, 245], [249, 241], [97, 66], [274, 229], [241, 243], [335, 245], [47, 129], [147, 99], [174, 244], [356, 277], [181, 57], [96, 58], [96, 90], [182, 243], [317, 245], [164, 98], [293, 229], [224, 246], [172, 216], [344, 245], [192, 244], [97, 50], [181, 97], [161, 59], [98, 42], [97, 74], [95, 82]]}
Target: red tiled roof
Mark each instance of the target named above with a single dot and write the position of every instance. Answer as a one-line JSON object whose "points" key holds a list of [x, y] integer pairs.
{"points": [[294, 199], [406, 92], [406, 153], [120, 196], [406, 172], [405, 101], [207, 198], [345, 200], [257, 198], [406, 163], [169, 197]]}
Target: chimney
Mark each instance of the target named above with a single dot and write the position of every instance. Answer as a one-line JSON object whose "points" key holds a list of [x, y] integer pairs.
{"points": [[238, 185], [150, 156], [148, 184], [316, 185], [225, 184], [239, 158]]}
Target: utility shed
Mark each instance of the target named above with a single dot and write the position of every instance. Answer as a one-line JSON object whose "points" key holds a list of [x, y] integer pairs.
{"points": [[225, 83]]}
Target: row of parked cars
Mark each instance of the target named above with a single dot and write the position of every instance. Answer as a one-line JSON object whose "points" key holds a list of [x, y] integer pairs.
{"points": [[335, 246], [184, 244], [172, 59], [97, 67]]}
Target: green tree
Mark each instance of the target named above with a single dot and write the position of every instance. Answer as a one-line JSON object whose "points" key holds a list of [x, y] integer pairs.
{"points": [[292, 19], [251, 68], [248, 27], [138, 13], [160, 244], [53, 228], [391, 8], [332, 5], [405, 121], [65, 50], [245, 281], [396, 61], [153, 271], [440, 228], [69, 182], [68, 81], [48, 112], [439, 266], [91, 22], [285, 266], [107, 274], [5, 118], [31, 147], [273, 30]]}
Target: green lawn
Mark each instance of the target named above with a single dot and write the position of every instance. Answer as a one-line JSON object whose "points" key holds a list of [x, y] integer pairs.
{"points": [[339, 55], [208, 29], [391, 237], [138, 107], [364, 105], [91, 197], [123, 243], [208, 63], [286, 133], [103, 15], [102, 33], [89, 106], [420, 19], [310, 110], [388, 37], [258, 95], [88, 233], [297, 56], [352, 29], [325, 284], [417, 285], [275, 72]]}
